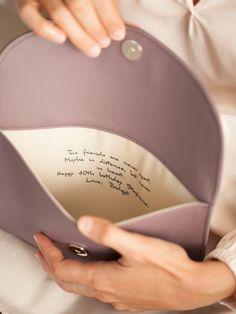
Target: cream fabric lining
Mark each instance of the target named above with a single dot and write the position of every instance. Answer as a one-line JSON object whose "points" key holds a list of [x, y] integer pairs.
{"points": [[95, 172]]}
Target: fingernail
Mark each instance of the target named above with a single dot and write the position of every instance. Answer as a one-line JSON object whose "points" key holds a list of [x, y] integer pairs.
{"points": [[85, 225], [35, 238], [57, 37], [105, 42], [60, 38], [119, 35], [94, 52]]}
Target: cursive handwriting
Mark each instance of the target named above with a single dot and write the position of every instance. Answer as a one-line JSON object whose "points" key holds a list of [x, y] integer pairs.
{"points": [[143, 186], [86, 173], [94, 181], [110, 171], [65, 174], [130, 166], [107, 162], [109, 177], [129, 186], [118, 188], [143, 178], [87, 152], [71, 152], [115, 158], [119, 174], [73, 159], [133, 174]]}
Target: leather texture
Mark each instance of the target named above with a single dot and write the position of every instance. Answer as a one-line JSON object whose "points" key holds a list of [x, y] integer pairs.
{"points": [[155, 102]]}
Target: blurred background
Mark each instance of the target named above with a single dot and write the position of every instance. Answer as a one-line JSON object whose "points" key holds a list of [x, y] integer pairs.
{"points": [[10, 25]]}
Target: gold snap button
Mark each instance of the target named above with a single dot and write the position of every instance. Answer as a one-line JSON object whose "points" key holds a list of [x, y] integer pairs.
{"points": [[78, 249], [131, 50]]}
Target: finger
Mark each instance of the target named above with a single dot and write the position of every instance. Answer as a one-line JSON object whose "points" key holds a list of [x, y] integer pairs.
{"points": [[76, 288], [119, 307], [65, 285], [29, 12], [38, 255], [85, 13], [49, 251], [106, 233], [68, 270], [44, 264], [66, 21], [108, 11], [95, 275], [132, 24]]}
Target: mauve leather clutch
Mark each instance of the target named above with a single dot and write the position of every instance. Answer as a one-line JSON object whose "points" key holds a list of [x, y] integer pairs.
{"points": [[137, 92]]}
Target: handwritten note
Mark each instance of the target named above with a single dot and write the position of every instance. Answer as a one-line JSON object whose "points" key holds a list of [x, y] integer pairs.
{"points": [[97, 167], [90, 171]]}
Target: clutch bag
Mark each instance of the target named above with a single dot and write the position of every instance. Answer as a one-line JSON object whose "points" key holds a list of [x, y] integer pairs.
{"points": [[130, 136]]}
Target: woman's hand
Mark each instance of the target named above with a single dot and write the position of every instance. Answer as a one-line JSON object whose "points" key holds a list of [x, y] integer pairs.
{"points": [[152, 274], [88, 24]]}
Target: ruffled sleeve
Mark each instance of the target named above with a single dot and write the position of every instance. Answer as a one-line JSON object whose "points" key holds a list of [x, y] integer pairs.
{"points": [[226, 252]]}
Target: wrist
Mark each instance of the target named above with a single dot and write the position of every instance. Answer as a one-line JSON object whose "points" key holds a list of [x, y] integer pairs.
{"points": [[216, 281]]}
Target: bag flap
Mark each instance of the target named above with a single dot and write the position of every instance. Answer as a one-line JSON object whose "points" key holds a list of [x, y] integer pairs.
{"points": [[154, 101]]}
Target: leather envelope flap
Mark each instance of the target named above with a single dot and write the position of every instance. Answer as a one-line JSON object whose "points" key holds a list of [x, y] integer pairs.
{"points": [[154, 101]]}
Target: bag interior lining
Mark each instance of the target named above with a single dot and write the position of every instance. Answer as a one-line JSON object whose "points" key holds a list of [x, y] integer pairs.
{"points": [[98, 173]]}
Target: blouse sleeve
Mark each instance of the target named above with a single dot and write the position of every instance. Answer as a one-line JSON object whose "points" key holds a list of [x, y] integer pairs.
{"points": [[225, 251]]}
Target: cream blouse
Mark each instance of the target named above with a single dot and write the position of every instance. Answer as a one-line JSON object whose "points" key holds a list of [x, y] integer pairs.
{"points": [[203, 37]]}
